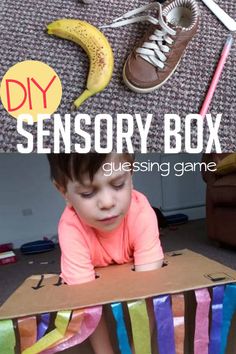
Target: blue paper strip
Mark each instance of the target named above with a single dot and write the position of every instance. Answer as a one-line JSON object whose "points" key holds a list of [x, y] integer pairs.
{"points": [[165, 324], [217, 319], [229, 308], [43, 325], [121, 328]]}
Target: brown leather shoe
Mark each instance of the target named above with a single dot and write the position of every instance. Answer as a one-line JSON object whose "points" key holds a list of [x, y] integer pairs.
{"points": [[158, 53]]}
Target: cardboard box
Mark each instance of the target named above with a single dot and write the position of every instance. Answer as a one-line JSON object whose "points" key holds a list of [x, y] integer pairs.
{"points": [[184, 271]]}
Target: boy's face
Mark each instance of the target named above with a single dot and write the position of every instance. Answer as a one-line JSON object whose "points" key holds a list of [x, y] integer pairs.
{"points": [[103, 202]]}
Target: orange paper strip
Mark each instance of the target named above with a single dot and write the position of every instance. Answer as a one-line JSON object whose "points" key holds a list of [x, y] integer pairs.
{"points": [[178, 316], [27, 327]]}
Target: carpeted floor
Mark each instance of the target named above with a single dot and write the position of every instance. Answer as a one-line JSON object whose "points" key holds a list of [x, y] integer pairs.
{"points": [[22, 37], [191, 235]]}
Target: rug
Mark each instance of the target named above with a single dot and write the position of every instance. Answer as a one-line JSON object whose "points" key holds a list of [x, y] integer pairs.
{"points": [[22, 37]]}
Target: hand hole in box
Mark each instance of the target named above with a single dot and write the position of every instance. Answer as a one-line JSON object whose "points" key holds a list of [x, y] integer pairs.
{"points": [[164, 264], [175, 254], [215, 277], [59, 282]]}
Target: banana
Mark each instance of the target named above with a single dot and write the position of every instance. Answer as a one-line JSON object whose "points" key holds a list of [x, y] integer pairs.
{"points": [[97, 48]]}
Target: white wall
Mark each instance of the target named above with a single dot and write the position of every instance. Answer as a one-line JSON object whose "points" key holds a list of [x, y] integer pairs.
{"points": [[30, 207], [25, 188], [171, 193]]}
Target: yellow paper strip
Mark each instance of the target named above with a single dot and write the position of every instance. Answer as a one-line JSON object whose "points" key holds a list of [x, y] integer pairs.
{"points": [[73, 327], [140, 327], [61, 323]]}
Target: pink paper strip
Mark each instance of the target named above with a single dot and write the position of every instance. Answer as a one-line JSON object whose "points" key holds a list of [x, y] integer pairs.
{"points": [[201, 337]]}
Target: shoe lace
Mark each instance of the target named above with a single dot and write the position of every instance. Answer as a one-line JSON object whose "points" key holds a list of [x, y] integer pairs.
{"points": [[155, 49]]}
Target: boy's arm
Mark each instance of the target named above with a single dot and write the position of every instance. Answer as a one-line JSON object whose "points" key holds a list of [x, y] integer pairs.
{"points": [[100, 340], [77, 268], [150, 266], [148, 247], [148, 254]]}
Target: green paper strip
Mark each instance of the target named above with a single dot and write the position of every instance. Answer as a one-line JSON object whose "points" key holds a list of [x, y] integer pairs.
{"points": [[140, 327], [7, 337], [61, 323]]}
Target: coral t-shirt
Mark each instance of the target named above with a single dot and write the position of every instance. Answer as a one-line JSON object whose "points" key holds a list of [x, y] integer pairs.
{"points": [[83, 248]]}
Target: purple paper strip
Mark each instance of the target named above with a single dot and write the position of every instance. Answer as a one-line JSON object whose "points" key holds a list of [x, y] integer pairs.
{"points": [[165, 324], [217, 319], [201, 337], [43, 325]]}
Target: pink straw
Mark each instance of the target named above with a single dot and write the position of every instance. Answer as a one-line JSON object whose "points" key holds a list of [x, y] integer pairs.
{"points": [[217, 74]]}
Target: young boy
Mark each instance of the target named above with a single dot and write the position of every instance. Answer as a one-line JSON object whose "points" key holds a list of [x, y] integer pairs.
{"points": [[105, 222]]}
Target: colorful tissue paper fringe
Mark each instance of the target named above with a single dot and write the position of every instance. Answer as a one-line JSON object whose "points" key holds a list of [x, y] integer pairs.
{"points": [[61, 324], [82, 325], [72, 328]]}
